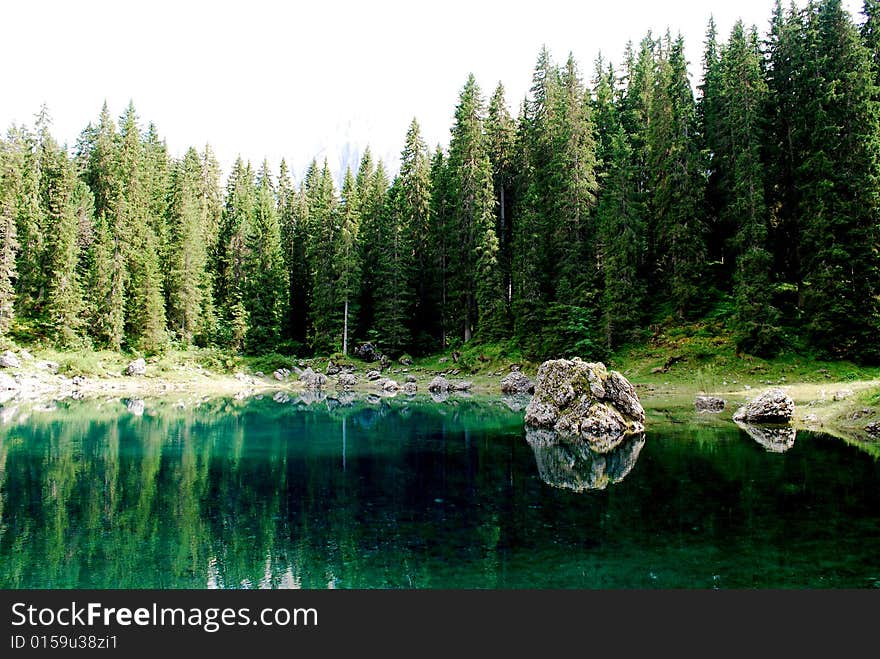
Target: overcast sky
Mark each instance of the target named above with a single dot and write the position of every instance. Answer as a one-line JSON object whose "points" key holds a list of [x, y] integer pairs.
{"points": [[303, 80]]}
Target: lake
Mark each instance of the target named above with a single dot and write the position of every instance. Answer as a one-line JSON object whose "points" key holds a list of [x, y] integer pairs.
{"points": [[395, 493]]}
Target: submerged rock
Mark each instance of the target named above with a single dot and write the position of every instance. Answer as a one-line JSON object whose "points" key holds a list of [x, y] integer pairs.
{"points": [[517, 382], [574, 397], [776, 439], [570, 462], [137, 367], [712, 404], [771, 406]]}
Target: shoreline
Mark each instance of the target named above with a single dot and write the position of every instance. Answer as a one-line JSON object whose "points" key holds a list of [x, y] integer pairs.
{"points": [[835, 408]]}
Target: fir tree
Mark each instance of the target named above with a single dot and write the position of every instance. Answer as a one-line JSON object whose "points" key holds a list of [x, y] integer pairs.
{"points": [[346, 260], [415, 216], [677, 185], [264, 269], [473, 222], [740, 174], [187, 282], [501, 144], [839, 181], [8, 241]]}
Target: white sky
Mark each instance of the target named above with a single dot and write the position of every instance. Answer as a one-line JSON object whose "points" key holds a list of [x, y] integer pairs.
{"points": [[303, 80]]}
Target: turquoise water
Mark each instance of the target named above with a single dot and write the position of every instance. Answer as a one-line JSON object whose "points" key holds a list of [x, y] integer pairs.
{"points": [[416, 494]]}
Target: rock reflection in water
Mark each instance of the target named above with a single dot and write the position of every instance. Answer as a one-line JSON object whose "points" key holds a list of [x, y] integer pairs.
{"points": [[569, 462], [777, 439]]}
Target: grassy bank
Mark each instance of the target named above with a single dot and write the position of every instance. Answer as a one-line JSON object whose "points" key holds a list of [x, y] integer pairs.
{"points": [[669, 370]]}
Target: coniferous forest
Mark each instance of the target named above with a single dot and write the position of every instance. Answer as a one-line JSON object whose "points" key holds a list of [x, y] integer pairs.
{"points": [[570, 222]]}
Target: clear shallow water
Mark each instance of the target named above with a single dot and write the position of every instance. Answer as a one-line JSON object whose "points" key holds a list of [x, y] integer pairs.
{"points": [[417, 494]]}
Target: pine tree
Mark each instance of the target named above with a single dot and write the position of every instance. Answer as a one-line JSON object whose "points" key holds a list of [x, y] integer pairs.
{"points": [[346, 259], [231, 253], [8, 240], [620, 220], [415, 211], [325, 316], [839, 182], [740, 179], [870, 30], [783, 149], [473, 222], [438, 319], [187, 280], [573, 186], [107, 279], [371, 184], [712, 143], [533, 260], [264, 269], [677, 184], [26, 197], [64, 304], [136, 231], [501, 144]]}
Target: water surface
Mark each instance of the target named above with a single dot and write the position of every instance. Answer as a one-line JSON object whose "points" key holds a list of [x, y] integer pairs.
{"points": [[398, 493]]}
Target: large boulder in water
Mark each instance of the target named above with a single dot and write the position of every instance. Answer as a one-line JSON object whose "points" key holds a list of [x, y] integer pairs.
{"points": [[772, 406], [574, 397], [569, 462]]}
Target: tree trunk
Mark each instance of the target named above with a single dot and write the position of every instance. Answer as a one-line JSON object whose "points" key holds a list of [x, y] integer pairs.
{"points": [[345, 330]]}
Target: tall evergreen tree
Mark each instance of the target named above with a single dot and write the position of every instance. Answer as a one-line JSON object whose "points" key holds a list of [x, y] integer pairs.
{"points": [[839, 190], [188, 284], [415, 216], [231, 253], [64, 304], [677, 184], [441, 245], [620, 221], [346, 258], [8, 239], [501, 144], [263, 269], [740, 175], [473, 222], [325, 316]]}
